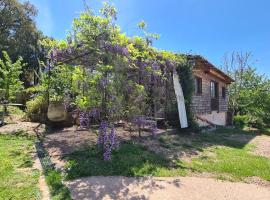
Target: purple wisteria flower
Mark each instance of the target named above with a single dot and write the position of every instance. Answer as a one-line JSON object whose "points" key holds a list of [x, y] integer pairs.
{"points": [[106, 140], [155, 66], [154, 129], [117, 49], [112, 136], [170, 65], [47, 69], [107, 153], [95, 113], [84, 120], [102, 132]]}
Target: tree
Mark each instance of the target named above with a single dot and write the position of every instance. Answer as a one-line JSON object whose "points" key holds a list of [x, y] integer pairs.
{"points": [[10, 76], [254, 98], [235, 64], [19, 35], [250, 93]]}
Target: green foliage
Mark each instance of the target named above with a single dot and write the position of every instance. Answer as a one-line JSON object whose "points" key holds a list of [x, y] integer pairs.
{"points": [[10, 76], [116, 74], [13, 110], [142, 24], [15, 183], [241, 121], [36, 107], [19, 35], [31, 91], [61, 81], [187, 82], [251, 97]]}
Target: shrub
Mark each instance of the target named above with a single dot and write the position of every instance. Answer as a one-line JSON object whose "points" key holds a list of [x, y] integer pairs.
{"points": [[2, 93], [241, 121], [31, 91], [14, 110], [36, 108]]}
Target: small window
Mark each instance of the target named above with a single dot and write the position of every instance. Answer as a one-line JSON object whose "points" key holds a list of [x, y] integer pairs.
{"points": [[214, 89], [198, 85], [223, 92]]}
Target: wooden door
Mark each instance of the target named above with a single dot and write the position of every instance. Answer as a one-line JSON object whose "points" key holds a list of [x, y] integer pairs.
{"points": [[214, 92]]}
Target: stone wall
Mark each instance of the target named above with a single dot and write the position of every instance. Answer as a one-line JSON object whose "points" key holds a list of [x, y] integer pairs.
{"points": [[201, 104]]}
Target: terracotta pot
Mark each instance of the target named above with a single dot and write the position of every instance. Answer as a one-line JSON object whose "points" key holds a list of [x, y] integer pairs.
{"points": [[57, 111]]}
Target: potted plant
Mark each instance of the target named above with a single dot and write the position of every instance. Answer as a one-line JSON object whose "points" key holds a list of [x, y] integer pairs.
{"points": [[56, 110]]}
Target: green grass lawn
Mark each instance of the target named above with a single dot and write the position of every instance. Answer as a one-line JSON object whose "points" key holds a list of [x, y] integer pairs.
{"points": [[226, 155], [233, 163], [17, 179], [219, 154], [129, 160]]}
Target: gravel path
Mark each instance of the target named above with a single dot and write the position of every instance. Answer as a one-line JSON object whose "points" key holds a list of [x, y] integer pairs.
{"points": [[182, 188], [262, 145]]}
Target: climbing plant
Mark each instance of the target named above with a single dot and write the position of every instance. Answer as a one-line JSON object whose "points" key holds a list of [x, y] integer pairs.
{"points": [[110, 76]]}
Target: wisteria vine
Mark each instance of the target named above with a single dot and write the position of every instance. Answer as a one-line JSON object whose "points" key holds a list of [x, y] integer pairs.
{"points": [[119, 71]]}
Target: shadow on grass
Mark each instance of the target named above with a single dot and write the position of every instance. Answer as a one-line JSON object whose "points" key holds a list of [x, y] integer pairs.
{"points": [[129, 160], [136, 160], [184, 144]]}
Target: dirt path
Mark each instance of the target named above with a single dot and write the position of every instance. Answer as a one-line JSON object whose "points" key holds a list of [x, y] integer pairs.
{"points": [[262, 144], [182, 188], [20, 126]]}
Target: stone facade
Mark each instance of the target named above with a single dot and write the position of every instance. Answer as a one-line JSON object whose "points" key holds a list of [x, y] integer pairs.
{"points": [[206, 110], [201, 103]]}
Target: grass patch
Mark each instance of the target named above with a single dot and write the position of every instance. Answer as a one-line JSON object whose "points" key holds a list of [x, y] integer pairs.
{"points": [[58, 190], [226, 153], [128, 160], [17, 179], [237, 164], [12, 110], [53, 178]]}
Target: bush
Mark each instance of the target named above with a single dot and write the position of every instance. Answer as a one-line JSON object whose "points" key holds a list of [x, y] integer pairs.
{"points": [[241, 121], [31, 91], [36, 108], [14, 110], [2, 93]]}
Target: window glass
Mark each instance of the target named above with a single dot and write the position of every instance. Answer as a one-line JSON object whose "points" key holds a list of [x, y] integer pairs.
{"points": [[214, 89], [198, 85], [224, 92]]}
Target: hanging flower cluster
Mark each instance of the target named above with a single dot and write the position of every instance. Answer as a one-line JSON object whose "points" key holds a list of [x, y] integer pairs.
{"points": [[117, 49], [112, 73], [106, 139]]}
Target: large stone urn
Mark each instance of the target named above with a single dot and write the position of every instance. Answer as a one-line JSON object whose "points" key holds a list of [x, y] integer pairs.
{"points": [[57, 111]]}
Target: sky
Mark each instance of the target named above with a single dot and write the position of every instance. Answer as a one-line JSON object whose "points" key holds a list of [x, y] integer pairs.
{"points": [[209, 28]]}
